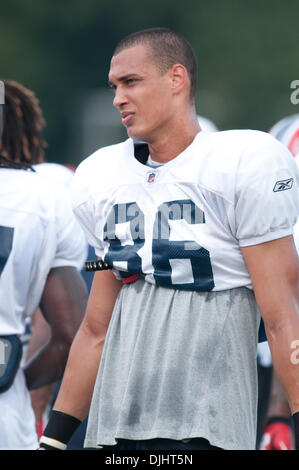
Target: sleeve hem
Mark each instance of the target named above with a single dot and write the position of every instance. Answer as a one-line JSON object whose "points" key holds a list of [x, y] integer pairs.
{"points": [[59, 263], [99, 253], [266, 238]]}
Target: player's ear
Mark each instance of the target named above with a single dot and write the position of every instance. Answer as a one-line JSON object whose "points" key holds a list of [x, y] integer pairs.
{"points": [[179, 78]]}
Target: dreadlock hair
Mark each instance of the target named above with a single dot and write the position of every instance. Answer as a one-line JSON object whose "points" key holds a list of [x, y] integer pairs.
{"points": [[167, 48], [6, 163], [22, 125]]}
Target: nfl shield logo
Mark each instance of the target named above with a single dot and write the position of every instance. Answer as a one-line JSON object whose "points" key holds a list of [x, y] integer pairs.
{"points": [[151, 177]]}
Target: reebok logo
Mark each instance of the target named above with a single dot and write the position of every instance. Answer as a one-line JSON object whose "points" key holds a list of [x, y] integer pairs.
{"points": [[283, 185]]}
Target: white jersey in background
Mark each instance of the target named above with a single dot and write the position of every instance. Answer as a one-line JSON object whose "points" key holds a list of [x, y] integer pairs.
{"points": [[55, 172], [287, 132], [57, 175], [181, 225], [36, 234], [60, 175], [206, 124], [296, 228]]}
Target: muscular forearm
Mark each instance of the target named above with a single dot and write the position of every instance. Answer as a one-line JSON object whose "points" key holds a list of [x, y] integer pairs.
{"points": [[278, 405], [78, 381], [41, 398], [63, 304], [41, 335], [74, 397], [281, 340], [274, 271], [79, 378], [47, 366]]}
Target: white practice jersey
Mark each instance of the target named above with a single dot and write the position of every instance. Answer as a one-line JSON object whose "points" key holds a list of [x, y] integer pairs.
{"points": [[57, 174], [36, 234], [181, 225]]}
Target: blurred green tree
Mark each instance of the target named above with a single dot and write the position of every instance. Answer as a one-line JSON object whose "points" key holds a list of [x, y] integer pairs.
{"points": [[247, 54]]}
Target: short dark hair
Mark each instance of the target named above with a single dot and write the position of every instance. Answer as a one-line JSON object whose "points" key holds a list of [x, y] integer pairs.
{"points": [[23, 122], [168, 48]]}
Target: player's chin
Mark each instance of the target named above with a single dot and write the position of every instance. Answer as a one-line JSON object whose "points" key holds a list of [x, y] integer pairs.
{"points": [[135, 133]]}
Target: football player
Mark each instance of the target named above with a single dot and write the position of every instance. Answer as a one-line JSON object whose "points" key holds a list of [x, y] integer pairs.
{"points": [[206, 124], [203, 222], [278, 433], [41, 398], [40, 258], [287, 131]]}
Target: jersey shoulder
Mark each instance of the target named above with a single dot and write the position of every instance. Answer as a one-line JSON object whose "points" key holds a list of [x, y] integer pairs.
{"points": [[98, 172], [242, 151], [228, 147], [29, 192], [55, 173]]}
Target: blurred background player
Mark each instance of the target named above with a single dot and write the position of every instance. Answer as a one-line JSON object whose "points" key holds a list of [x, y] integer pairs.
{"points": [[277, 429], [287, 131], [42, 398], [39, 253], [206, 124]]}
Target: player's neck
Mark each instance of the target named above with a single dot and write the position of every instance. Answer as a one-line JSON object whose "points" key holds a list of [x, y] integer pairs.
{"points": [[171, 143]]}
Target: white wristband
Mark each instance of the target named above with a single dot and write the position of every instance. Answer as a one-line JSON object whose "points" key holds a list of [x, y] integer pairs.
{"points": [[53, 443]]}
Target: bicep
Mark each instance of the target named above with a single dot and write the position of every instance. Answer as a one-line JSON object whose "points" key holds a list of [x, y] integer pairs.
{"points": [[274, 270]]}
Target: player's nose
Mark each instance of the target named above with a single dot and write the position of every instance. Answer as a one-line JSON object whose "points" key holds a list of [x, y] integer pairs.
{"points": [[119, 98]]}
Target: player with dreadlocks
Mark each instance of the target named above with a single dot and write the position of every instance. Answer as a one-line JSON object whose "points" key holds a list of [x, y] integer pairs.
{"points": [[23, 122], [40, 259]]}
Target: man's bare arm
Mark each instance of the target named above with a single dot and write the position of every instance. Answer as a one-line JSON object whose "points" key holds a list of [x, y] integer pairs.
{"points": [[274, 270], [40, 397], [278, 404], [80, 374], [63, 304]]}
